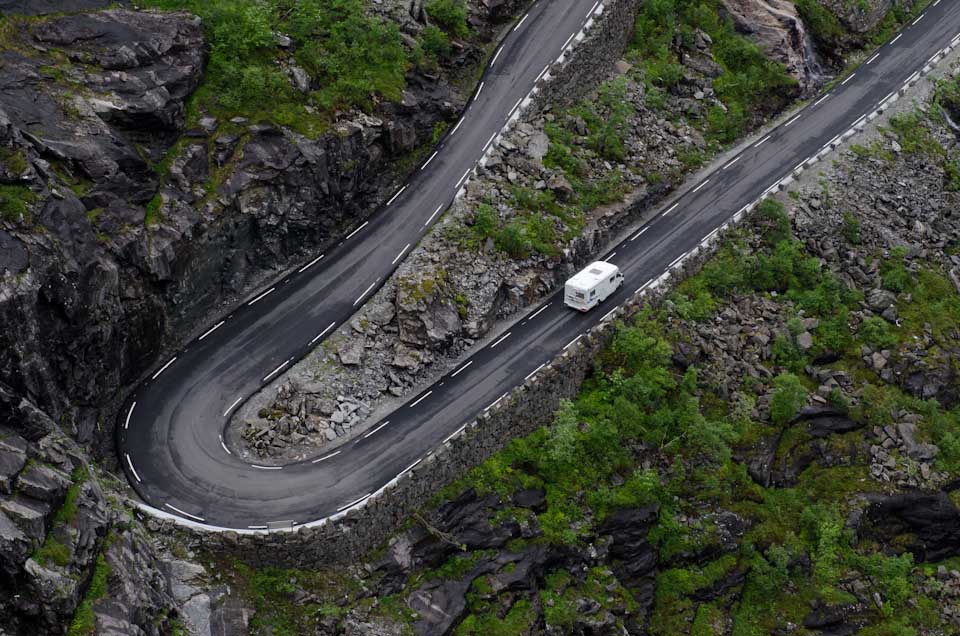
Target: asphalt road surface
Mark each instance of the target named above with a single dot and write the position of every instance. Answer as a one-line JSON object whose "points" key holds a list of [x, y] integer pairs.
{"points": [[170, 434]]}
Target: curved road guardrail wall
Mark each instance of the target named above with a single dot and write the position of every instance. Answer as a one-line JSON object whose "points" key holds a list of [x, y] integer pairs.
{"points": [[349, 535]]}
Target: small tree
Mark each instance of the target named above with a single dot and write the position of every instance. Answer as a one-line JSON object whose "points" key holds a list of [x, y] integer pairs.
{"points": [[789, 396]]}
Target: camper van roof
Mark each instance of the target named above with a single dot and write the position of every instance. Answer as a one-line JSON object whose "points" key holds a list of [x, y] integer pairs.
{"points": [[592, 274]]}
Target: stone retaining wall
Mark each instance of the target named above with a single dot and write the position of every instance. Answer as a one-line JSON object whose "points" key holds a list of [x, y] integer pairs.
{"points": [[349, 536]]}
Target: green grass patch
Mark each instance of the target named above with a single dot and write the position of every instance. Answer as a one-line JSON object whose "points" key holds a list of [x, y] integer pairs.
{"points": [[84, 620], [16, 203]]}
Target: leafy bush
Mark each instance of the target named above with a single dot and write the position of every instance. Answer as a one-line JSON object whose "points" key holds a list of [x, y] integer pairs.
{"points": [[789, 396], [451, 15], [349, 55], [877, 333], [894, 274]]}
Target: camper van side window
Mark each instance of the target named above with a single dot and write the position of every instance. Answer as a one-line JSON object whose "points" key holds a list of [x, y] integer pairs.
{"points": [[613, 278], [593, 293]]}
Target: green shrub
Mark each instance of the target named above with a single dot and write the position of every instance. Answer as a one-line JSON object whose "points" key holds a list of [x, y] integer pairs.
{"points": [[788, 398], [894, 274], [84, 620], [435, 44], [877, 333], [16, 203], [451, 15], [851, 228]]}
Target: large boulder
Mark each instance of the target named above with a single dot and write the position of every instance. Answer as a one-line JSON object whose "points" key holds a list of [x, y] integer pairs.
{"points": [[927, 523]]}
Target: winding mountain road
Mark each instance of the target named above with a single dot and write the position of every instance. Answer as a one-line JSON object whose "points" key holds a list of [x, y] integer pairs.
{"points": [[170, 431]]}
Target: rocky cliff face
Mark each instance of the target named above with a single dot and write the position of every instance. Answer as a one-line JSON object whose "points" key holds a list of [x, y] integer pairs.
{"points": [[123, 222]]}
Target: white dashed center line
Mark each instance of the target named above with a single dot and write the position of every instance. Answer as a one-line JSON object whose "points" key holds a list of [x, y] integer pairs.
{"points": [[222, 444], [266, 467]]}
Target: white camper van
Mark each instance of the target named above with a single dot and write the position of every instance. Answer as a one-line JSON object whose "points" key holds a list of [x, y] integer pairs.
{"points": [[592, 285]]}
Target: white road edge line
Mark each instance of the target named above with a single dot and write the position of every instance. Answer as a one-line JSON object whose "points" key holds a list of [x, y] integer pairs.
{"points": [[267, 467], [132, 469], [762, 141], [672, 208], [499, 51], [257, 527], [637, 235], [320, 459], [849, 77], [572, 35], [222, 444], [698, 188], [819, 101], [230, 408], [369, 433], [310, 264], [410, 467], [918, 19], [126, 424], [495, 402], [873, 58], [463, 178], [212, 329], [572, 342], [477, 94], [534, 372], [786, 125], [644, 286], [894, 40], [449, 437], [365, 224], [515, 107], [365, 292], [394, 198], [542, 73], [164, 368], [608, 314], [489, 141], [322, 333], [261, 296], [463, 368], [402, 252], [422, 398], [522, 20], [733, 162], [433, 215], [544, 307], [427, 163], [501, 339], [275, 371], [184, 513], [353, 503], [455, 128]]}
